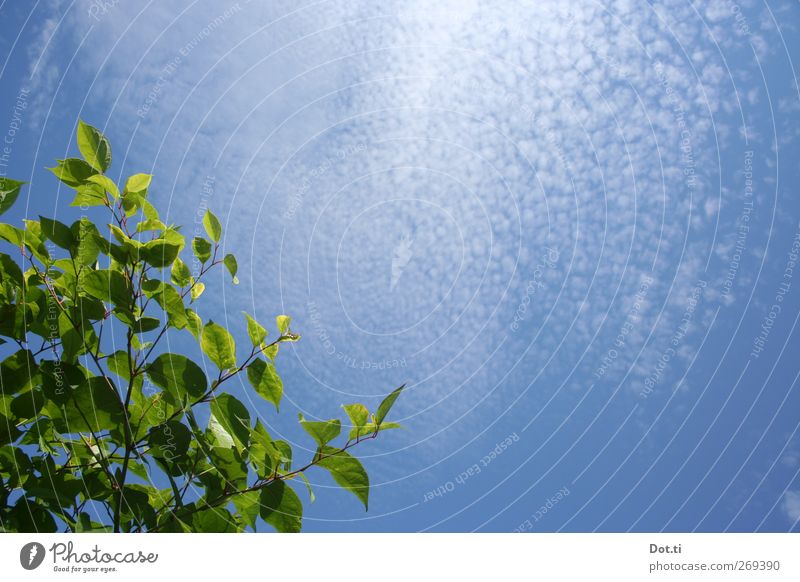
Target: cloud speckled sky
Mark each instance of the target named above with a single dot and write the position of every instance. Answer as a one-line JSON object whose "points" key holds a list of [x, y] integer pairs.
{"points": [[563, 223]]}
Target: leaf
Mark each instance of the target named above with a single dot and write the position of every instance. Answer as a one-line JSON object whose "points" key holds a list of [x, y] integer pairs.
{"points": [[201, 248], [247, 505], [169, 299], [138, 183], [150, 224], [105, 183], [9, 190], [387, 404], [212, 226], [347, 471], [197, 290], [169, 440], [281, 507], [16, 372], [119, 364], [358, 414], [94, 147], [71, 340], [214, 520], [90, 195], [58, 232], [141, 325], [31, 517], [180, 273], [194, 323], [283, 322], [10, 270], [59, 379], [110, 286], [86, 236], [219, 437], [370, 428], [73, 171], [256, 332], [159, 253], [265, 380], [233, 268], [229, 462], [218, 345], [94, 407], [33, 239], [178, 376], [311, 496], [234, 418], [321, 431], [11, 234]]}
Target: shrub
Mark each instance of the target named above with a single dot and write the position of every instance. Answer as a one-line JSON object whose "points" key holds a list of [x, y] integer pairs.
{"points": [[96, 421]]}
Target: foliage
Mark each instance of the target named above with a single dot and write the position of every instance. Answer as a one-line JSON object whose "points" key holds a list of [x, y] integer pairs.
{"points": [[102, 431]]}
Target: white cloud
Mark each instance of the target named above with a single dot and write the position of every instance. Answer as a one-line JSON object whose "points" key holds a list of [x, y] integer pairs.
{"points": [[791, 505]]}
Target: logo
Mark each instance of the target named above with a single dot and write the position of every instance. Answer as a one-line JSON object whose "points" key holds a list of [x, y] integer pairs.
{"points": [[31, 555]]}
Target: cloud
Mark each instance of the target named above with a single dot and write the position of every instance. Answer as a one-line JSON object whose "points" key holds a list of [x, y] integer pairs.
{"points": [[791, 505]]}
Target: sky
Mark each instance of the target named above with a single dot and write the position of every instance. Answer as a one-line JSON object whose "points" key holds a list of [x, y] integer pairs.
{"points": [[570, 228]]}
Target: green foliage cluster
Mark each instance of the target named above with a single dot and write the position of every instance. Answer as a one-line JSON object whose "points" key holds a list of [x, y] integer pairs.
{"points": [[93, 416]]}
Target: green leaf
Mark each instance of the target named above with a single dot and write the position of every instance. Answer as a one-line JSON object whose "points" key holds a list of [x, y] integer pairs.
{"points": [[141, 325], [150, 224], [110, 286], [58, 232], [169, 440], [281, 507], [218, 345], [105, 183], [73, 171], [229, 462], [247, 505], [234, 418], [283, 322], [119, 364], [59, 379], [197, 290], [194, 323], [87, 247], [217, 435], [347, 471], [16, 372], [180, 273], [358, 414], [33, 239], [256, 332], [169, 299], [90, 195], [178, 376], [265, 380], [201, 248], [322, 431], [9, 190], [32, 517], [160, 253], [94, 147], [11, 234], [370, 428], [233, 268], [214, 520], [94, 407], [212, 226], [138, 183], [10, 270], [308, 486], [387, 404]]}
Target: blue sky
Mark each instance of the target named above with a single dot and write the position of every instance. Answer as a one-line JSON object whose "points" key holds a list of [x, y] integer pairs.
{"points": [[563, 224]]}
